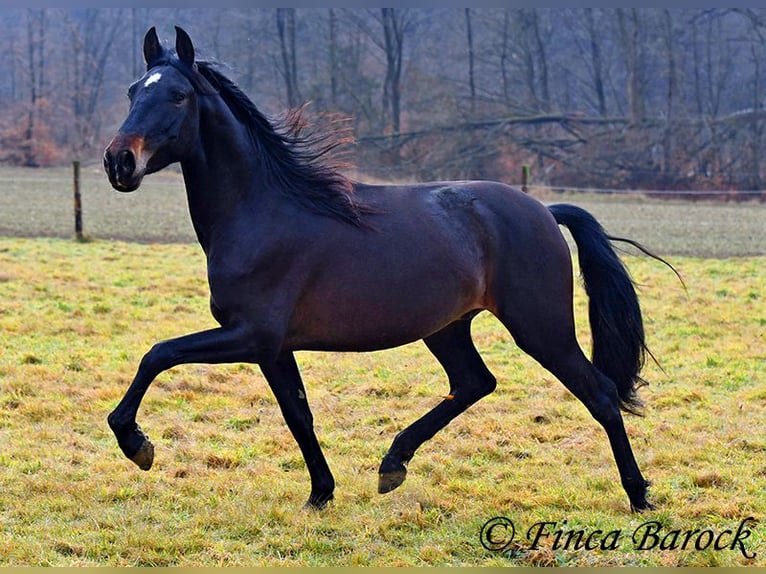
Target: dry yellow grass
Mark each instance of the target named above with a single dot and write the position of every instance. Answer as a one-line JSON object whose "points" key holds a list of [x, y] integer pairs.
{"points": [[228, 481]]}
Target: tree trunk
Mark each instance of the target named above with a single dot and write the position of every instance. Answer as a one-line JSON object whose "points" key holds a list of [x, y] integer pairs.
{"points": [[471, 79], [91, 39], [628, 24], [286, 29], [333, 24], [698, 98], [597, 63], [504, 56], [36, 63], [134, 42], [393, 31], [670, 94], [542, 61], [756, 125]]}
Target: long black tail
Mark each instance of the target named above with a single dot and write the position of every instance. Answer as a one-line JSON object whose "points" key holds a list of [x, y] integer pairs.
{"points": [[619, 347]]}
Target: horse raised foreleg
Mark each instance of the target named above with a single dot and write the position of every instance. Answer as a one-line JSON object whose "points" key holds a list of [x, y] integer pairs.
{"points": [[285, 382], [222, 345], [469, 379]]}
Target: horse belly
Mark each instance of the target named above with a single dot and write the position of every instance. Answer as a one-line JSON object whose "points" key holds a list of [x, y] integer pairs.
{"points": [[379, 312]]}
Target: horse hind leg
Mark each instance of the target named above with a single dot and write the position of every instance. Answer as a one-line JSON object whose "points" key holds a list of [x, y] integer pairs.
{"points": [[546, 332], [469, 380], [599, 395]]}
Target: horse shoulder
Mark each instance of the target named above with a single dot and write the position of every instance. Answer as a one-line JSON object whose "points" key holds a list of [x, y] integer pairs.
{"points": [[255, 284]]}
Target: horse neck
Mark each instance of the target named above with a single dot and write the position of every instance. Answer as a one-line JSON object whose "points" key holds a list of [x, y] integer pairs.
{"points": [[222, 176]]}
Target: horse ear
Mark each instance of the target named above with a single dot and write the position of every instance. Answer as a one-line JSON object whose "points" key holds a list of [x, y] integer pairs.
{"points": [[184, 47], [152, 47]]}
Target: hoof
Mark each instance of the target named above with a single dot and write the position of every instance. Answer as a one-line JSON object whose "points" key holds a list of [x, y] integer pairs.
{"points": [[388, 481], [318, 502], [642, 506], [133, 442], [145, 455], [638, 502]]}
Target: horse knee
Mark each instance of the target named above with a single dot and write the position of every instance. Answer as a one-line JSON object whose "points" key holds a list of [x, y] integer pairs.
{"points": [[157, 358], [162, 356], [300, 422]]}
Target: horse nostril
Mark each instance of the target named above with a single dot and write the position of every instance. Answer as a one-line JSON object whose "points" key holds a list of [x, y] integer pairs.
{"points": [[109, 165], [126, 161]]}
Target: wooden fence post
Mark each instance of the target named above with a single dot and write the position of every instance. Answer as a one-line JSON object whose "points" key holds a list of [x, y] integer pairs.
{"points": [[77, 201], [524, 177]]}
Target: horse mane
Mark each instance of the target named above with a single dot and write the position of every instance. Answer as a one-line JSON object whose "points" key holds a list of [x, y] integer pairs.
{"points": [[296, 161]]}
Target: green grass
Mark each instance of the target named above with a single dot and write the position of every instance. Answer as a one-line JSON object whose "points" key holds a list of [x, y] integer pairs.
{"points": [[38, 202], [228, 482]]}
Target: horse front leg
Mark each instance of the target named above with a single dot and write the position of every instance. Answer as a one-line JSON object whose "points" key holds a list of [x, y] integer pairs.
{"points": [[285, 382], [221, 345]]}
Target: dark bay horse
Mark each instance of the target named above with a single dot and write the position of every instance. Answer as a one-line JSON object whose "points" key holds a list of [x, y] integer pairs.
{"points": [[301, 258]]}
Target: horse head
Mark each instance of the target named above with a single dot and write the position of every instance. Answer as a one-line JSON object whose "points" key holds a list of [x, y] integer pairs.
{"points": [[162, 122]]}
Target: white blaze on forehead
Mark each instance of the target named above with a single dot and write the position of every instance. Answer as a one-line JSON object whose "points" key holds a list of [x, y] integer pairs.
{"points": [[155, 77]]}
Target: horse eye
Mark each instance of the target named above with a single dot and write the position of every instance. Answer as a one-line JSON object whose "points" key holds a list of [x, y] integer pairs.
{"points": [[178, 97]]}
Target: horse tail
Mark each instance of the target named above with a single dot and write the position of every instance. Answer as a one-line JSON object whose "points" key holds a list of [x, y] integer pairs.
{"points": [[618, 345]]}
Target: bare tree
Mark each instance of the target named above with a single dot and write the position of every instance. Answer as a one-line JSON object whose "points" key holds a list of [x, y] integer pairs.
{"points": [[286, 30], [9, 90], [92, 36], [757, 22], [669, 42], [530, 54], [333, 50], [629, 27], [595, 95], [596, 67], [757, 122], [505, 55], [471, 79], [36, 33], [394, 22], [534, 19]]}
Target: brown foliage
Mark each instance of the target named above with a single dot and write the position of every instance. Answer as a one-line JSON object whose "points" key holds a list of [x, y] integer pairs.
{"points": [[19, 147]]}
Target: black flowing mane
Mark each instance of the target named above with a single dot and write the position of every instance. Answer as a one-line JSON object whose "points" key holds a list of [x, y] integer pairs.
{"points": [[296, 160]]}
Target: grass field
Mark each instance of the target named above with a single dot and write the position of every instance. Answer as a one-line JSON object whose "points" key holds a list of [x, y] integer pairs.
{"points": [[36, 202], [228, 481]]}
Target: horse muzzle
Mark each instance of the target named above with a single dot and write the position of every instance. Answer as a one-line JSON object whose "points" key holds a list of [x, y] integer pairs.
{"points": [[125, 162]]}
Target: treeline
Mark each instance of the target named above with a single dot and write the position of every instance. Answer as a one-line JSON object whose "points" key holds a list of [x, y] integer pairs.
{"points": [[588, 97]]}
